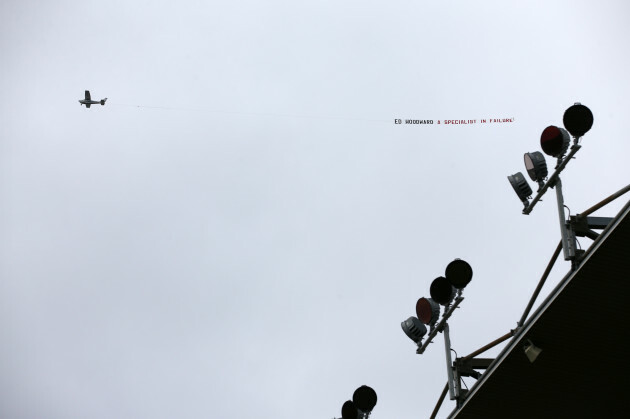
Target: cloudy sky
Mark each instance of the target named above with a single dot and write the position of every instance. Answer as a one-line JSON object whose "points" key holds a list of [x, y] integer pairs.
{"points": [[241, 229]]}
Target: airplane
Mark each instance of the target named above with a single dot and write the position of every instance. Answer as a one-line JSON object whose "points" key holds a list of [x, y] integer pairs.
{"points": [[88, 100]]}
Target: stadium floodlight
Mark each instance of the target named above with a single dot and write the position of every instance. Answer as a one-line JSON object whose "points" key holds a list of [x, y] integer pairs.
{"points": [[447, 291], [414, 329], [349, 410], [442, 291], [578, 120], [536, 167], [521, 187], [554, 141], [364, 398], [428, 311], [459, 273]]}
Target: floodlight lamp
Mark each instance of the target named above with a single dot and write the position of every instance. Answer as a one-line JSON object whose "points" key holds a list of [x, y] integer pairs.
{"points": [[414, 329], [578, 120], [349, 410], [521, 187], [364, 398], [428, 311], [459, 273], [536, 167], [554, 141], [531, 351], [442, 291]]}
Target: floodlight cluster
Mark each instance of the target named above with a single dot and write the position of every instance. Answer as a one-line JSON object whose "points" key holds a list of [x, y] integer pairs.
{"points": [[443, 290], [554, 141], [363, 401]]}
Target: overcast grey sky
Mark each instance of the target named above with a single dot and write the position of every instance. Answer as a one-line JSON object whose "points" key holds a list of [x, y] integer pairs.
{"points": [[241, 229]]}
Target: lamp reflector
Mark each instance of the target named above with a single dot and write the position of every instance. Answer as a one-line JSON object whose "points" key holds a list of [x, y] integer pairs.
{"points": [[349, 410], [536, 166], [459, 273], [578, 120], [442, 291], [520, 185], [428, 311], [414, 329], [531, 351], [554, 141], [364, 398]]}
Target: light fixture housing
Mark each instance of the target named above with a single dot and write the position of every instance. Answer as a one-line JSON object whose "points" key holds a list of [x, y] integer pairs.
{"points": [[536, 167], [521, 187], [428, 311], [554, 141], [364, 398], [414, 329], [531, 351], [349, 410], [442, 291], [459, 273], [578, 120]]}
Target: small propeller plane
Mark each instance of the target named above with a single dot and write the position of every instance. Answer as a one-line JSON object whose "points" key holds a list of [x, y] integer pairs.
{"points": [[88, 100]]}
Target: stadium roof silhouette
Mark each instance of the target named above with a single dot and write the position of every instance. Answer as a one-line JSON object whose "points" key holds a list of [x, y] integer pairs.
{"points": [[582, 330]]}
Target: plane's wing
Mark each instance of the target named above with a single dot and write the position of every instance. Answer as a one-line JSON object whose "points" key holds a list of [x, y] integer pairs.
{"points": [[87, 95], [87, 105]]}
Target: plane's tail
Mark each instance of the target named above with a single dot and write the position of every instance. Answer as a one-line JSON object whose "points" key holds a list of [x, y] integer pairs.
{"points": [[103, 101]]}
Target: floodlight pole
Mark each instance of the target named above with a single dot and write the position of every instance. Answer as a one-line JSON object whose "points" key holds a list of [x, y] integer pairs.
{"points": [[442, 326], [568, 239], [452, 388]]}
